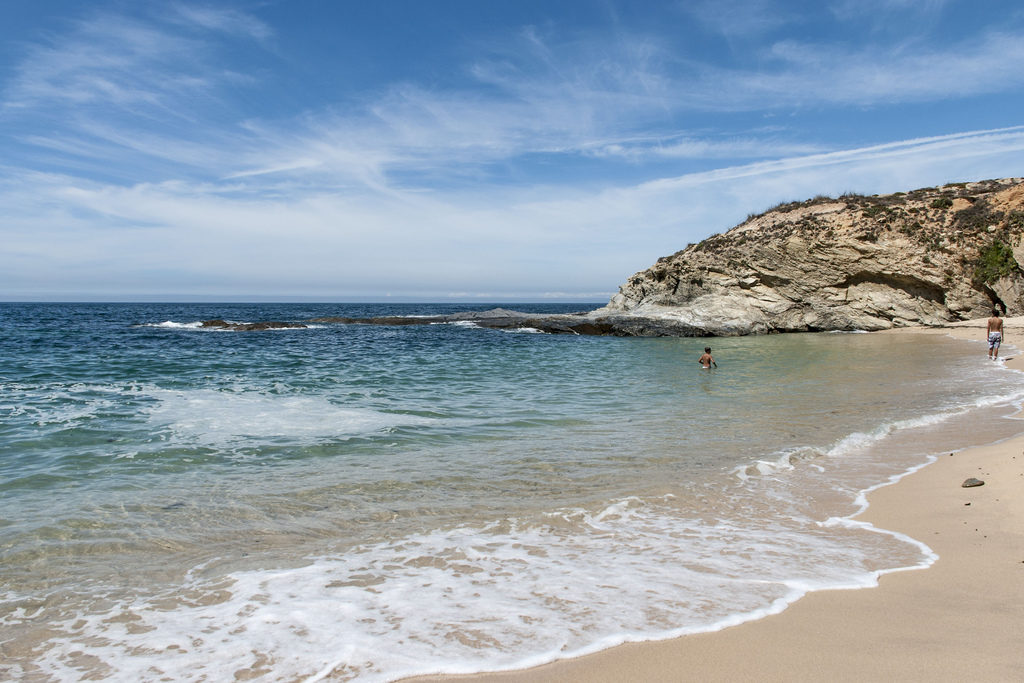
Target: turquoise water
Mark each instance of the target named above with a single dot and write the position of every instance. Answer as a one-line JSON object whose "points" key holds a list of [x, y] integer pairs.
{"points": [[350, 501]]}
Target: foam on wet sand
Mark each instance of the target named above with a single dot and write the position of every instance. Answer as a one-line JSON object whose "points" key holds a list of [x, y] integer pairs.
{"points": [[960, 619]]}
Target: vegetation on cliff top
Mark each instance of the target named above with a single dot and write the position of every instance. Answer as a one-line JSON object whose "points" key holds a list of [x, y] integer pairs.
{"points": [[923, 215]]}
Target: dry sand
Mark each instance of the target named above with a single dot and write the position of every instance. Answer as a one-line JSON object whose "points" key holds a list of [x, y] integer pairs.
{"points": [[961, 619]]}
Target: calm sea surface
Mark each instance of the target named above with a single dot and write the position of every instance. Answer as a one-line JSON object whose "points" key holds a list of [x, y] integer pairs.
{"points": [[357, 502]]}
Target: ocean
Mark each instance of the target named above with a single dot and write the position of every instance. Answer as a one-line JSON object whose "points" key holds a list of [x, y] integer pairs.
{"points": [[354, 502]]}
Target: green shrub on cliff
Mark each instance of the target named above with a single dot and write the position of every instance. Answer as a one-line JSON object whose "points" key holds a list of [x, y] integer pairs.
{"points": [[995, 261]]}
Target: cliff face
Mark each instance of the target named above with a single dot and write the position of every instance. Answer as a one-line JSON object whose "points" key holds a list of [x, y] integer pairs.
{"points": [[929, 256]]}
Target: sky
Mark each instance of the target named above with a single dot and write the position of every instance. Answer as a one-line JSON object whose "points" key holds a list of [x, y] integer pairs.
{"points": [[446, 150]]}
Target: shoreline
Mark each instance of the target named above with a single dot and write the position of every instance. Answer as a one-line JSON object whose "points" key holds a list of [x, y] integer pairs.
{"points": [[959, 618]]}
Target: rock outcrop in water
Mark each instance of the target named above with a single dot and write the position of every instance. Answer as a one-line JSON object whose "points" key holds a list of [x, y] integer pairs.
{"points": [[929, 256], [495, 318], [250, 327]]}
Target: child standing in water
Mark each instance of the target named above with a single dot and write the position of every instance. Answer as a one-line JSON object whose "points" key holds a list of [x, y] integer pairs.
{"points": [[707, 360]]}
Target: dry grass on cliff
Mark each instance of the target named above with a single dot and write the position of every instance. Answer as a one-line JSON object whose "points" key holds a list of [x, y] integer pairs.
{"points": [[959, 219]]}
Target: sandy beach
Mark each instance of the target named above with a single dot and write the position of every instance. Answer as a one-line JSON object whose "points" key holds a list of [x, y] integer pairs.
{"points": [[960, 619]]}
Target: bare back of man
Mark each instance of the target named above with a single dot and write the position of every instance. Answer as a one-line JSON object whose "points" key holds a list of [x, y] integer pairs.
{"points": [[707, 360], [995, 334]]}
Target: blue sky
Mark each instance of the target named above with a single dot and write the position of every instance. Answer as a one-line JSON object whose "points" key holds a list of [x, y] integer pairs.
{"points": [[500, 150]]}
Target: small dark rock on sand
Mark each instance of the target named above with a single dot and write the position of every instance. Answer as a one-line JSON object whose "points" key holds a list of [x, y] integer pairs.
{"points": [[968, 483]]}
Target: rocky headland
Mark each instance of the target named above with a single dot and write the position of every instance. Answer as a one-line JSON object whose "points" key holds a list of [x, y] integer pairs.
{"points": [[926, 257], [931, 256]]}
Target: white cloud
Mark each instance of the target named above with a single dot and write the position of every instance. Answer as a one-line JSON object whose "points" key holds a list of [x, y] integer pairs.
{"points": [[591, 97], [824, 74], [432, 245], [740, 18], [870, 10], [111, 60], [399, 191], [606, 112], [685, 147], [891, 167], [223, 20]]}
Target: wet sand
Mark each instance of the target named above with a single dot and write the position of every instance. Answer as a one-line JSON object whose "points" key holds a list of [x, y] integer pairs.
{"points": [[960, 619]]}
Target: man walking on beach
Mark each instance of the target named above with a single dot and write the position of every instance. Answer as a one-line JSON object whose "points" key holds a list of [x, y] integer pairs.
{"points": [[995, 334]]}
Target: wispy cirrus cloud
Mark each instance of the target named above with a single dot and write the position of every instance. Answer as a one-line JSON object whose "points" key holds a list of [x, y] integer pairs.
{"points": [[553, 155], [737, 146], [331, 242], [541, 105], [736, 19], [136, 97], [812, 74], [535, 95], [875, 10], [942, 154], [113, 61], [225, 20]]}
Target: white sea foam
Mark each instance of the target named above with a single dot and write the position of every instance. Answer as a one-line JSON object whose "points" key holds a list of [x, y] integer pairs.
{"points": [[171, 325], [199, 326], [215, 417], [501, 596], [459, 323], [61, 405], [860, 441], [515, 592]]}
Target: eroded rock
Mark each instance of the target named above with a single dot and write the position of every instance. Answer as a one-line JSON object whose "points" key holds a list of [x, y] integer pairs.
{"points": [[857, 263]]}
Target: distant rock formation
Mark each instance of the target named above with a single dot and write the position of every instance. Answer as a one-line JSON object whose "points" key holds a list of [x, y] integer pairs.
{"points": [[929, 256], [495, 318], [251, 327]]}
